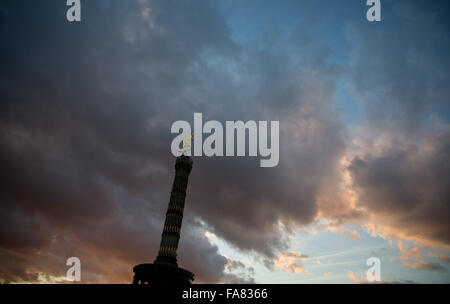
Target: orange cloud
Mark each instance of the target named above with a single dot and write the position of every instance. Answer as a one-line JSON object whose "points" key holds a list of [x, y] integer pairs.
{"points": [[352, 276], [425, 266], [409, 254], [290, 261]]}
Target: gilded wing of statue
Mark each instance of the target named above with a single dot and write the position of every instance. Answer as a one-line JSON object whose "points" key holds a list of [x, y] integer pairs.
{"points": [[187, 143]]}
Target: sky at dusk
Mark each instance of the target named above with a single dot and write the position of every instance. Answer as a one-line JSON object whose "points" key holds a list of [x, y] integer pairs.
{"points": [[86, 110]]}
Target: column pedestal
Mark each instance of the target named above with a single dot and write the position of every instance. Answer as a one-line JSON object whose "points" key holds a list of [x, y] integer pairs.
{"points": [[162, 274]]}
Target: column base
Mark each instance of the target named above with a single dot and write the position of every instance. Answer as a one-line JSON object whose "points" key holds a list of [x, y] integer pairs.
{"points": [[162, 274]]}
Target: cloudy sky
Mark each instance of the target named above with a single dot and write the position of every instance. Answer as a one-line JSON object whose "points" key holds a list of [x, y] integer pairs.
{"points": [[364, 112]]}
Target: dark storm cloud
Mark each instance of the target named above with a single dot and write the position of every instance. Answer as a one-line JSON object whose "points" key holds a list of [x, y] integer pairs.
{"points": [[85, 116], [400, 77], [293, 84], [78, 155], [409, 187]]}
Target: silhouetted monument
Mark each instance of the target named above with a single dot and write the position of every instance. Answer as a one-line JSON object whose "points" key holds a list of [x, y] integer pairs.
{"points": [[165, 270]]}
